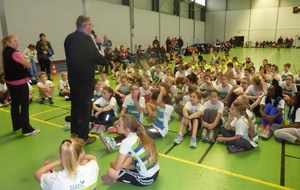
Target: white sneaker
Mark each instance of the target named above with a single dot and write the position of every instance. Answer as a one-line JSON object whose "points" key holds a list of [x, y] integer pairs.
{"points": [[34, 132]]}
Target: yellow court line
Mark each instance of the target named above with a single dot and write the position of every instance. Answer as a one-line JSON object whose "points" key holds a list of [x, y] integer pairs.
{"points": [[191, 163], [225, 172], [46, 122], [49, 110]]}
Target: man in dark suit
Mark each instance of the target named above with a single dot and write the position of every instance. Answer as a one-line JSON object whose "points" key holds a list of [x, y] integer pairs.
{"points": [[82, 55]]}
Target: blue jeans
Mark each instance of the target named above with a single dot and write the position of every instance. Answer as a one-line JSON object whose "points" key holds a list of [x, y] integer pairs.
{"points": [[271, 110], [33, 71]]}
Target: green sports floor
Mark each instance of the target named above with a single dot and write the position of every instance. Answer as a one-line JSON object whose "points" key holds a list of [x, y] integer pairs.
{"points": [[271, 166]]}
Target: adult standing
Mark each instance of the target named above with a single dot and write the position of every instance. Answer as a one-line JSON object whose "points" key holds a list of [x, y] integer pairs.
{"points": [[155, 42], [180, 44], [44, 52], [82, 55], [16, 76]]}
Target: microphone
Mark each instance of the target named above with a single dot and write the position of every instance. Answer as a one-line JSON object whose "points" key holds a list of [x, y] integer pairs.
{"points": [[95, 36]]}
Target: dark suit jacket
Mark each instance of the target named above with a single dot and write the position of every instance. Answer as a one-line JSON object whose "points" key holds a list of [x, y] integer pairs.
{"points": [[82, 55]]}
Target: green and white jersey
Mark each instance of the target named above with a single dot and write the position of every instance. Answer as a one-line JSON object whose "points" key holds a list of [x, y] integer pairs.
{"points": [[132, 145]]}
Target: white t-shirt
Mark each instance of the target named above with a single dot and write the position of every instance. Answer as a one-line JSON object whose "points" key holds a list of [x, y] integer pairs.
{"points": [[163, 118], [252, 92], [206, 87], [105, 83], [131, 145], [290, 89], [158, 76], [241, 127], [123, 89], [174, 91], [131, 107], [280, 104], [192, 109], [102, 103], [181, 74], [63, 85], [46, 84], [218, 106], [297, 120], [297, 79], [146, 93], [3, 87], [87, 177], [224, 91]]}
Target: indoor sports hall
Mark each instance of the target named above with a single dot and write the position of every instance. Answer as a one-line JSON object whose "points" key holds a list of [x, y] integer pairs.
{"points": [[252, 27]]}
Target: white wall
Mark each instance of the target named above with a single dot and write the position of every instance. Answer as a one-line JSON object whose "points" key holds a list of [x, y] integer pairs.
{"points": [[169, 26], [166, 6], [145, 30], [199, 31], [185, 31], [111, 20], [265, 20], [26, 21]]}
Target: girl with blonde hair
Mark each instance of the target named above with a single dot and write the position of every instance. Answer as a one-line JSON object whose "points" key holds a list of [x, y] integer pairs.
{"points": [[137, 161], [79, 170], [239, 130]]}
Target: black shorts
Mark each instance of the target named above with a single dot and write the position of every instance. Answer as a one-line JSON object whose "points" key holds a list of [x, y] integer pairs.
{"points": [[135, 178]]}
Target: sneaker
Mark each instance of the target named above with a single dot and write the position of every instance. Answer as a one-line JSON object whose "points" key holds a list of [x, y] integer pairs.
{"points": [[178, 139], [260, 132], [51, 100], [42, 100], [16, 131], [193, 143], [89, 140], [67, 127], [107, 180], [109, 142], [91, 125], [265, 134], [34, 132], [204, 135], [234, 149], [100, 129], [112, 130], [94, 129], [211, 136]]}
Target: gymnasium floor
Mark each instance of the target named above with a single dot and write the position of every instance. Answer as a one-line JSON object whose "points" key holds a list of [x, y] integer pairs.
{"points": [[271, 166]]}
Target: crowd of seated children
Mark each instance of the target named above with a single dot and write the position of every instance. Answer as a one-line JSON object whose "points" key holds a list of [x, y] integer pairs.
{"points": [[46, 88]]}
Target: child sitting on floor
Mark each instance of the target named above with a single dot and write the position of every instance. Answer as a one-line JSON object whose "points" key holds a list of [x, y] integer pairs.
{"points": [[63, 86], [46, 88], [212, 117], [191, 118], [239, 130]]}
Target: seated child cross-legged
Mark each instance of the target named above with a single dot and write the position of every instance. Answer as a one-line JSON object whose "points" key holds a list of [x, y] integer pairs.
{"points": [[46, 88], [137, 160], [291, 133], [191, 118], [239, 130], [271, 110], [105, 110], [64, 87], [212, 117]]}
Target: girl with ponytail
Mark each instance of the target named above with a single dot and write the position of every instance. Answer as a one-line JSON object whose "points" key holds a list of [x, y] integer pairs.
{"points": [[137, 161], [239, 130], [79, 170]]}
